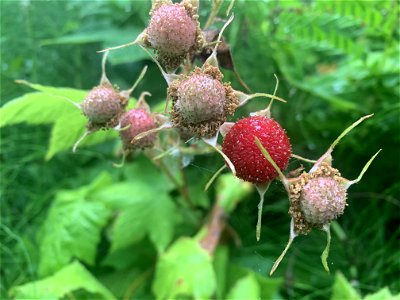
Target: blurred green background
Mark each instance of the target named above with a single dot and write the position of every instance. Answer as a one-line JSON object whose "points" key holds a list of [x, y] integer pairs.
{"points": [[336, 61]]}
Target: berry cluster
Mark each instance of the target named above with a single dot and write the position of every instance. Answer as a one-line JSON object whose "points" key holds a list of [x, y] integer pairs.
{"points": [[256, 149]]}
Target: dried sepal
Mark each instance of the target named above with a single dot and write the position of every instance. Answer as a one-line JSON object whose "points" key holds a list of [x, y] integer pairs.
{"points": [[292, 236], [261, 189], [319, 196]]}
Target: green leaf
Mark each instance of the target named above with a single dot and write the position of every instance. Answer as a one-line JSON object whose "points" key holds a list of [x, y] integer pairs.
{"points": [[220, 261], [79, 38], [144, 171], [68, 129], [269, 287], [142, 257], [69, 279], [73, 226], [109, 38], [120, 282], [185, 269], [342, 289], [230, 190], [382, 294], [197, 194], [145, 212], [245, 288], [37, 108]]}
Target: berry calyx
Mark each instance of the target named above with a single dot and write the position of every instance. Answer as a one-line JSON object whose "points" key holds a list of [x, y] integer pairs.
{"points": [[249, 162]]}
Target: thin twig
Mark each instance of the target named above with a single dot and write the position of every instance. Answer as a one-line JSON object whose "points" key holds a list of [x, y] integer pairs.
{"points": [[182, 188], [137, 282], [215, 225]]}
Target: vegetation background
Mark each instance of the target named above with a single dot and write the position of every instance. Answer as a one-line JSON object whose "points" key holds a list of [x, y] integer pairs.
{"points": [[74, 227]]}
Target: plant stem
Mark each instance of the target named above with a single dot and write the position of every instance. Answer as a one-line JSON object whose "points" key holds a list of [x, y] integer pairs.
{"points": [[215, 225], [182, 187], [137, 282], [216, 5]]}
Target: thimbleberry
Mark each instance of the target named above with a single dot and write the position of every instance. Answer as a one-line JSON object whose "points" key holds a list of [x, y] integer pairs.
{"points": [[249, 162], [136, 121]]}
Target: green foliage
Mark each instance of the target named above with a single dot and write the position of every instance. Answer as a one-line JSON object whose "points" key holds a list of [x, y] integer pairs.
{"points": [[266, 288], [231, 191], [382, 294], [65, 282], [136, 232], [143, 213], [342, 289], [72, 227], [174, 278], [246, 287]]}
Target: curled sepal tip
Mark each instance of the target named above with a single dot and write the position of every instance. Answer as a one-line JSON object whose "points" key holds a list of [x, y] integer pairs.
{"points": [[348, 129], [230, 7], [244, 98], [77, 105], [327, 155], [167, 76], [122, 163], [225, 127], [85, 134], [325, 253], [349, 183], [118, 128], [128, 93], [303, 158], [212, 59], [213, 143], [154, 130], [212, 179], [104, 80], [261, 189], [138, 41], [267, 112], [292, 236], [142, 103]]}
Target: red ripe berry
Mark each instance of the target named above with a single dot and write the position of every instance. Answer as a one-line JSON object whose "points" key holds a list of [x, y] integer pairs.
{"points": [[241, 149]]}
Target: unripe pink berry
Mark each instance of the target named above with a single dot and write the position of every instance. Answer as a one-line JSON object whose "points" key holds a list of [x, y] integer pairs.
{"points": [[138, 120], [200, 98], [102, 104], [323, 199], [171, 30]]}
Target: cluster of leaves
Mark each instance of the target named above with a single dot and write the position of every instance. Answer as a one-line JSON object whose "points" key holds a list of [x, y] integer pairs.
{"points": [[130, 233]]}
